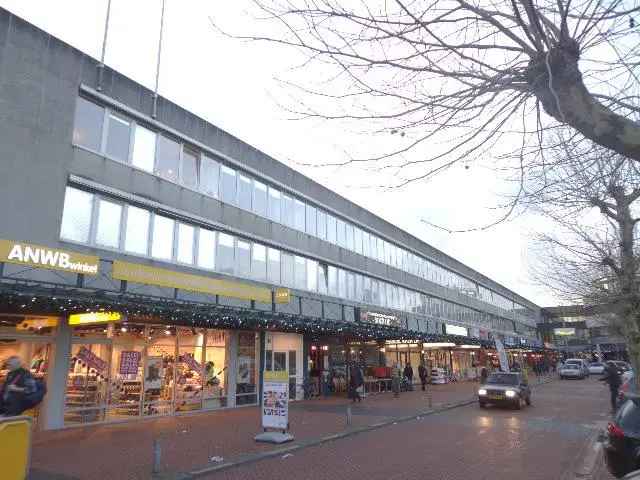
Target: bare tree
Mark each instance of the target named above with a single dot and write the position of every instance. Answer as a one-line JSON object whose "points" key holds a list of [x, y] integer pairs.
{"points": [[592, 254], [453, 77]]}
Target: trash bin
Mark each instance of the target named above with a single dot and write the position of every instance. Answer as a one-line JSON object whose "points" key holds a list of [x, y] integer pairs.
{"points": [[15, 447]]}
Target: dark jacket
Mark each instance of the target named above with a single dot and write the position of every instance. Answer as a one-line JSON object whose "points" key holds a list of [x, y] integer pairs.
{"points": [[14, 403], [612, 377], [408, 371], [422, 372], [484, 374], [356, 377]]}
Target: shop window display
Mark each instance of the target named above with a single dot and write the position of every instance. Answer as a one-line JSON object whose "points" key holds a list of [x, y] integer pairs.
{"points": [[87, 383], [189, 370], [247, 374], [216, 369], [159, 371]]}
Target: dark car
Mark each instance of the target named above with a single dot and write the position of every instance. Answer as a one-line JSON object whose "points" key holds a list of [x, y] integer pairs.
{"points": [[501, 388], [622, 443]]}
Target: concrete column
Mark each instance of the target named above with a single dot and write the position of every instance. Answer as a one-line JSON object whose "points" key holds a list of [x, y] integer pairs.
{"points": [[232, 372], [53, 405]]}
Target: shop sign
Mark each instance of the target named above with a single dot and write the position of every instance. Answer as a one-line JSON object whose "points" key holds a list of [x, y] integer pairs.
{"points": [[33, 324], [94, 317], [564, 332], [275, 400], [50, 258], [129, 362], [89, 358], [282, 295], [456, 330], [134, 272], [379, 319]]}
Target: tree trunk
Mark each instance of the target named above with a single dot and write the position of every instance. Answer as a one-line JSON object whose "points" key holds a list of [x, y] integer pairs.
{"points": [[569, 101]]}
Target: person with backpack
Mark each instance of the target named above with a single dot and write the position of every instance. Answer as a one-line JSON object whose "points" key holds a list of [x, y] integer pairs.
{"points": [[20, 391]]}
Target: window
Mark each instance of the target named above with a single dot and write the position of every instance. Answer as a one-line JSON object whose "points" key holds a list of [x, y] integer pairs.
{"points": [[162, 244], [357, 239], [342, 284], [137, 233], [366, 287], [299, 208], [300, 272], [273, 266], [375, 293], [351, 286], [189, 172], [207, 249], [349, 237], [167, 158], [87, 130], [245, 192], [288, 213], [331, 229], [287, 270], [333, 281], [311, 227], [209, 176], [341, 233], [366, 244], [322, 225], [382, 301], [228, 187], [109, 220], [186, 234], [243, 258], [322, 278], [312, 275], [259, 198], [359, 288], [76, 216], [259, 262], [274, 204], [380, 250], [118, 138], [144, 149], [225, 253]]}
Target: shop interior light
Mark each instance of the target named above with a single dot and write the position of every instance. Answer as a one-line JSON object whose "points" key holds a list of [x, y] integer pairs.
{"points": [[167, 332], [438, 345], [382, 350], [469, 346], [123, 329], [314, 348]]}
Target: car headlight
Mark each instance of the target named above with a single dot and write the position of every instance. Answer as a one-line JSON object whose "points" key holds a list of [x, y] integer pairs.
{"points": [[510, 393], [482, 391]]}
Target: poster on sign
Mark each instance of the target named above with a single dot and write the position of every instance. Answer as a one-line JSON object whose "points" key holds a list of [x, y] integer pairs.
{"points": [[92, 360], [275, 400], [129, 362], [502, 355]]}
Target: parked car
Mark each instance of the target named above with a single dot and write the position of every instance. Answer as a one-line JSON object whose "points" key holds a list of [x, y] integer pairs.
{"points": [[596, 368], [439, 376], [621, 366], [628, 386], [622, 439], [574, 368], [501, 388]]}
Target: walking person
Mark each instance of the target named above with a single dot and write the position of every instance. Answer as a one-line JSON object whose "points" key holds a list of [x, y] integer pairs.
{"points": [[612, 378], [484, 374], [20, 391], [355, 381], [408, 374], [422, 373], [395, 379]]}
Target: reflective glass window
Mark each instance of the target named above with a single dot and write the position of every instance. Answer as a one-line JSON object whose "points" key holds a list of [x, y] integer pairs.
{"points": [[76, 216], [259, 262], [341, 233], [225, 253], [245, 191], [167, 158], [374, 247], [288, 277], [311, 221], [162, 244], [288, 211], [144, 149], [186, 235], [136, 238], [189, 172], [300, 272], [299, 222], [259, 201], [359, 288], [366, 244], [228, 186], [243, 258], [367, 289], [342, 283], [349, 237], [357, 239], [351, 286], [118, 137], [209, 176], [312, 275], [275, 199], [322, 225], [109, 220], [331, 229], [207, 249], [322, 278], [273, 266], [87, 130], [333, 281], [375, 292]]}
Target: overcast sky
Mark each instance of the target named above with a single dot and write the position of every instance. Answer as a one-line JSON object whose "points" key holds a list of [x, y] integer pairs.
{"points": [[235, 85]]}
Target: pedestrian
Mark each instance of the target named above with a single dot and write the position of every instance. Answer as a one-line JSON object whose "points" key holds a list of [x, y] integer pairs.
{"points": [[612, 378], [20, 391], [395, 379], [355, 381], [484, 374], [422, 373], [408, 374]]}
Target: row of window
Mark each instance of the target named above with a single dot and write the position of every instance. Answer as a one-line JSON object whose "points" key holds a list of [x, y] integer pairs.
{"points": [[102, 222], [106, 131]]}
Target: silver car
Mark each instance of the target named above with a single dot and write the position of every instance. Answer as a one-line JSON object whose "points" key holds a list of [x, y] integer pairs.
{"points": [[574, 368]]}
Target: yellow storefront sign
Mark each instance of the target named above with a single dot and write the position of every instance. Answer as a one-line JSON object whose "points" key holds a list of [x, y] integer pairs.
{"points": [[94, 317], [282, 295], [279, 376], [22, 253], [36, 323], [134, 272]]}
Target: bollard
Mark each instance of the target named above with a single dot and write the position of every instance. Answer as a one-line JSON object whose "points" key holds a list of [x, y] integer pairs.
{"points": [[348, 414], [157, 454]]}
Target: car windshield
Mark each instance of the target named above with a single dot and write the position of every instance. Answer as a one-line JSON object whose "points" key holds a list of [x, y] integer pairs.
{"points": [[572, 363], [596, 365], [503, 379]]}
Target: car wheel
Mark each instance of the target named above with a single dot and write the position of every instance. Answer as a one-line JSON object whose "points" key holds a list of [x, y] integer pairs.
{"points": [[518, 404]]}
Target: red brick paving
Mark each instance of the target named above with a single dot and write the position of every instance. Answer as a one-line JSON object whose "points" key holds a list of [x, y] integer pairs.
{"points": [[124, 451]]}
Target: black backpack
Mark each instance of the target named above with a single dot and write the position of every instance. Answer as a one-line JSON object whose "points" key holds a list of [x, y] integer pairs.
{"points": [[35, 398]]}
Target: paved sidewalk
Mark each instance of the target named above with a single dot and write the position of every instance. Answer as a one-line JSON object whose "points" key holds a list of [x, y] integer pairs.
{"points": [[124, 451]]}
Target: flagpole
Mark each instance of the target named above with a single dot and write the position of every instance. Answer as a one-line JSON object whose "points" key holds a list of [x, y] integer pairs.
{"points": [[155, 91], [104, 46]]}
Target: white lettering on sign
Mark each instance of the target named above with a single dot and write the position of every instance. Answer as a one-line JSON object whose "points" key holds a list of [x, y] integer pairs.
{"points": [[47, 257]]}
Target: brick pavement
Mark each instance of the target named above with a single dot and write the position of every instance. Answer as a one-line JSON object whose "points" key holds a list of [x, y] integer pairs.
{"points": [[124, 451]]}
